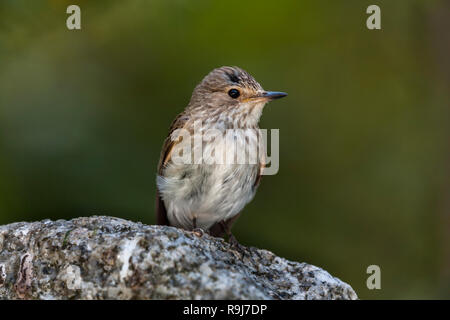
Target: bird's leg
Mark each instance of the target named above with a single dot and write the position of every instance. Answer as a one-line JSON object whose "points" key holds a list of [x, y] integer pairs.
{"points": [[233, 241], [231, 238], [197, 231]]}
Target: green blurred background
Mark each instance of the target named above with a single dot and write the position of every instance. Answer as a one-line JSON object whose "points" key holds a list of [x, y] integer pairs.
{"points": [[364, 150]]}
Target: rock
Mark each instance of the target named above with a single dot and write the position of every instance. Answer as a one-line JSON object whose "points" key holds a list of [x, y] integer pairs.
{"points": [[111, 258]]}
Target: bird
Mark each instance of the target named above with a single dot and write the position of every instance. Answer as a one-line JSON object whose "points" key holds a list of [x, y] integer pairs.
{"points": [[199, 196]]}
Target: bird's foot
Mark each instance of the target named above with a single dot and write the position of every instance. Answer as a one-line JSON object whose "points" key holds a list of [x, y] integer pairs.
{"points": [[199, 232], [236, 245]]}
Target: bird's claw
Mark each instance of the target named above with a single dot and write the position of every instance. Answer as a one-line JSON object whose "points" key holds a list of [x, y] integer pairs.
{"points": [[198, 232], [236, 245]]}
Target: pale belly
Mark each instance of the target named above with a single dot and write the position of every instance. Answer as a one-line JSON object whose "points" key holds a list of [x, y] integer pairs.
{"points": [[206, 193], [210, 193]]}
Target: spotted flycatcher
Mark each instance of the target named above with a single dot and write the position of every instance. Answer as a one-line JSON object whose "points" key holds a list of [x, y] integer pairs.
{"points": [[197, 193]]}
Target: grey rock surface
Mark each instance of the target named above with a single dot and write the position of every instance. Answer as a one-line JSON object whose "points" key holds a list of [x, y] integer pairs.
{"points": [[111, 258]]}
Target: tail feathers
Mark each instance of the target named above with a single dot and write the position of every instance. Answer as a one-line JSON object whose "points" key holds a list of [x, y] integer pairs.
{"points": [[161, 212]]}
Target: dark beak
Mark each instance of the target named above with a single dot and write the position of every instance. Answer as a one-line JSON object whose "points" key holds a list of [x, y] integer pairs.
{"points": [[272, 95]]}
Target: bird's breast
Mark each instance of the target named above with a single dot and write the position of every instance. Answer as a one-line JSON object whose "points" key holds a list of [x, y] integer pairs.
{"points": [[219, 186]]}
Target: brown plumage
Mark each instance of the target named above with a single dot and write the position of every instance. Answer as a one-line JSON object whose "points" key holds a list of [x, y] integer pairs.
{"points": [[210, 196]]}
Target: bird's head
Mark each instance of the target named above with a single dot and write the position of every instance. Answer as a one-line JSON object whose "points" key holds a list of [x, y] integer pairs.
{"points": [[231, 92]]}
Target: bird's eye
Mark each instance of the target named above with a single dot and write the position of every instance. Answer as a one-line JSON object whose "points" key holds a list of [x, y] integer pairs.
{"points": [[234, 93]]}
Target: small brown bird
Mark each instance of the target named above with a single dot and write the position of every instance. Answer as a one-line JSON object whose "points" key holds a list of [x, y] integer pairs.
{"points": [[197, 194]]}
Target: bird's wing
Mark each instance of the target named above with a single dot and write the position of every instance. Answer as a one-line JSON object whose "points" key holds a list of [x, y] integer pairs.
{"points": [[169, 143], [160, 208]]}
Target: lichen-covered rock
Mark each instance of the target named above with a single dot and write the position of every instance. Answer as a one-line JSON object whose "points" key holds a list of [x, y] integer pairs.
{"points": [[110, 258]]}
